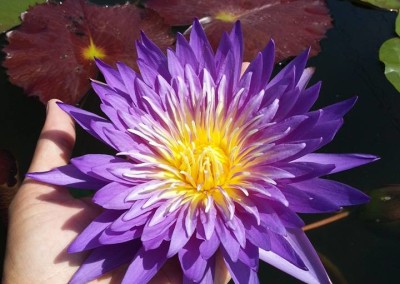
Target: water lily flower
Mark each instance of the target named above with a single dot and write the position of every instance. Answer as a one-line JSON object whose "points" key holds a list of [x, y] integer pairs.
{"points": [[208, 161]]}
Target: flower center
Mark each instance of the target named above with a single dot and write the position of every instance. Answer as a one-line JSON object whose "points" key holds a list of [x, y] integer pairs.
{"points": [[205, 167]]}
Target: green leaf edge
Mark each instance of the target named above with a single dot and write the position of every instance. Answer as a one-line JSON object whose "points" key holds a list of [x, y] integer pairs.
{"points": [[385, 4], [389, 54], [10, 11]]}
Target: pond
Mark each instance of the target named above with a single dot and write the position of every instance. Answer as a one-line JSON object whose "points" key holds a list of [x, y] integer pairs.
{"points": [[365, 246]]}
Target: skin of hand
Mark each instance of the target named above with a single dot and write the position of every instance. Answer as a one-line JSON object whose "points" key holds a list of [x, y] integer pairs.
{"points": [[44, 219]]}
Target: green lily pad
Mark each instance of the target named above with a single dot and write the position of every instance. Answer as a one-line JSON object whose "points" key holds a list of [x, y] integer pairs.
{"points": [[10, 12], [386, 4], [389, 54]]}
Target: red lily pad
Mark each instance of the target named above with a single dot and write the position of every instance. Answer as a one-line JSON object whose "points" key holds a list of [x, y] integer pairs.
{"points": [[8, 169], [51, 55], [294, 24]]}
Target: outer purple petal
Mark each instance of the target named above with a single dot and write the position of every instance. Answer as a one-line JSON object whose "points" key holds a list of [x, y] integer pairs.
{"points": [[282, 247], [341, 162], [338, 193], [249, 256], [240, 272], [298, 64], [112, 196], [86, 119], [304, 202], [153, 57], [314, 275], [112, 76], [185, 53], [202, 48], [88, 239], [209, 247], [103, 260], [70, 176], [85, 163], [145, 265], [179, 236], [193, 265]]}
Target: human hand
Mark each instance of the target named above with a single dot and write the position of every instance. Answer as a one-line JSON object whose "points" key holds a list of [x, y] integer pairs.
{"points": [[44, 219]]}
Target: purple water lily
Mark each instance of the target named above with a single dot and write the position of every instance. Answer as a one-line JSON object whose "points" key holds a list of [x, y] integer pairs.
{"points": [[208, 161]]}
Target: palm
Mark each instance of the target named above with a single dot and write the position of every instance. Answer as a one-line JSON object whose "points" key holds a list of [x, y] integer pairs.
{"points": [[42, 227]]}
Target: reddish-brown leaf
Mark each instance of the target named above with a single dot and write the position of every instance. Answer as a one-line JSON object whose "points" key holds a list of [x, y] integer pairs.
{"points": [[294, 24], [8, 169], [46, 54]]}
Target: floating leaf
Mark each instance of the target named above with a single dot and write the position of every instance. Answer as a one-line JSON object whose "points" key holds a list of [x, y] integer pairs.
{"points": [[294, 25], [386, 4], [389, 54], [51, 54], [10, 12], [8, 169], [382, 213]]}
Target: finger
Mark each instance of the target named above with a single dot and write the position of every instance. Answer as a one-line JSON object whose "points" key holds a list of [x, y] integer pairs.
{"points": [[56, 140]]}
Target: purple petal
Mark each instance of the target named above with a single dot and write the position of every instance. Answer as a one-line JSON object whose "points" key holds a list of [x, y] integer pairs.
{"points": [[85, 163], [340, 162], [338, 193], [112, 196], [145, 265], [282, 247], [240, 272], [110, 237], [298, 64], [179, 236], [185, 53], [208, 275], [249, 256], [86, 120], [122, 141], [338, 110], [70, 176], [304, 202], [202, 48], [103, 260], [152, 56], [193, 265], [209, 247], [112, 76], [228, 241], [128, 77], [304, 170], [261, 68], [283, 152], [113, 170], [306, 100], [315, 273], [88, 239], [174, 66]]}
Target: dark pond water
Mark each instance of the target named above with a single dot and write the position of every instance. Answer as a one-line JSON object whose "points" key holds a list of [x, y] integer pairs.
{"points": [[360, 248]]}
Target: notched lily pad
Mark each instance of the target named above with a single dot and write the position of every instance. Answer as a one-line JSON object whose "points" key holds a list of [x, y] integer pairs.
{"points": [[385, 4], [10, 12], [389, 54], [294, 25], [51, 55]]}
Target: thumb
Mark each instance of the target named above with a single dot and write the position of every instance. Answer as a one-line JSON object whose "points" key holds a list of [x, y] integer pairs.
{"points": [[56, 140]]}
